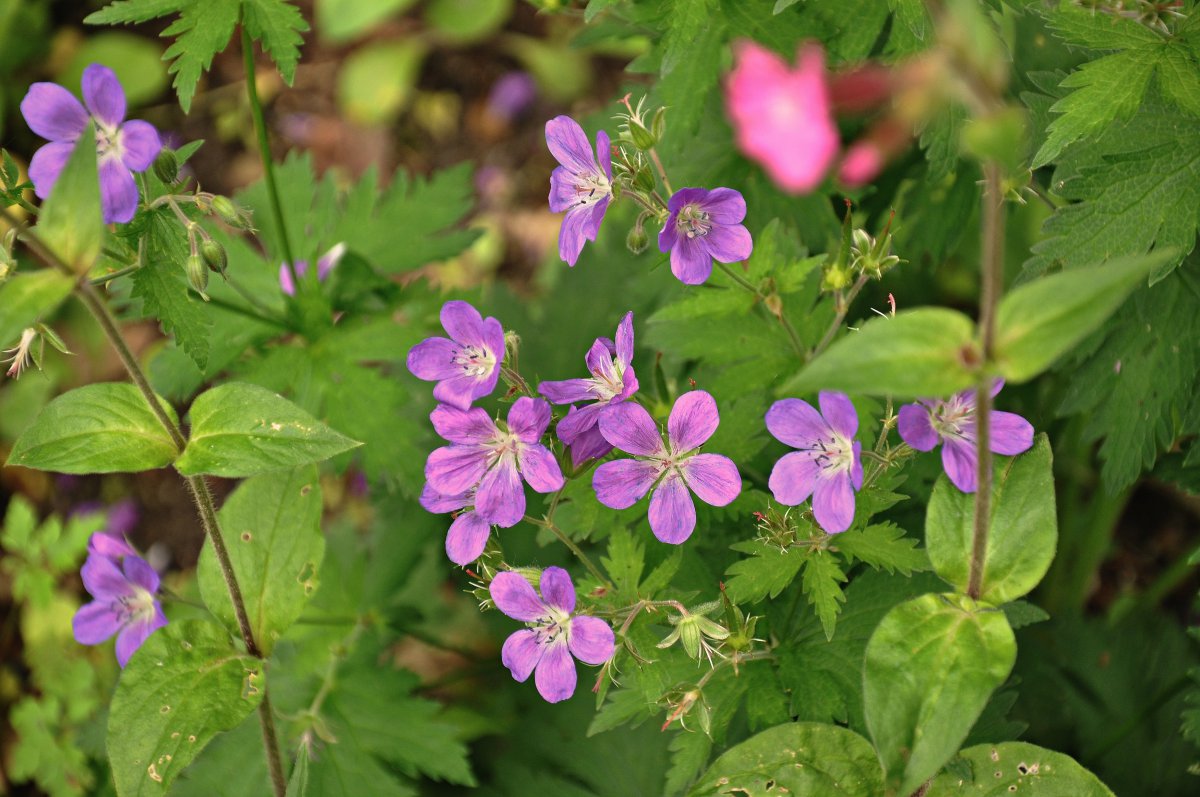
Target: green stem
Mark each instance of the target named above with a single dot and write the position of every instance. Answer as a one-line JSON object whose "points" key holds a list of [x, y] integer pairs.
{"points": [[661, 171], [567, 541], [104, 279], [793, 336], [843, 307]]}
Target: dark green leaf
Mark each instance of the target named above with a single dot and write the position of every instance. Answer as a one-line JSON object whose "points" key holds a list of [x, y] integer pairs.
{"points": [[126, 11], [767, 573], [277, 25], [883, 546], [162, 287], [202, 30], [821, 583]]}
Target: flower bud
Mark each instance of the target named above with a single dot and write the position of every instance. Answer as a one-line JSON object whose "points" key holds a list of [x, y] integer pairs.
{"points": [[643, 180], [166, 165], [637, 240], [641, 138], [214, 255], [228, 212], [774, 304], [836, 278], [197, 274]]}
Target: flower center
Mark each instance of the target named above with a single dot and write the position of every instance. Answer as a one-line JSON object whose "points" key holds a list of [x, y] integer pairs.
{"points": [[953, 419], [556, 623], [590, 188], [474, 360], [138, 607], [106, 141], [833, 454], [608, 384], [692, 221]]}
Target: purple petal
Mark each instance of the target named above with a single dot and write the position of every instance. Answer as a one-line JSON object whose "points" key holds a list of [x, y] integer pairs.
{"points": [[856, 470], [833, 503], [501, 495], [47, 164], [521, 654], [672, 513], [327, 262], [569, 145], [604, 153], [997, 386], [668, 236], [463, 323], [796, 423], [958, 458], [623, 482], [555, 674], [432, 359], [460, 391], [839, 412], [514, 596], [452, 470], [103, 95], [440, 503], [463, 426], [591, 640], [915, 427], [685, 196], [528, 419], [557, 589], [53, 112], [118, 192], [122, 517], [690, 261], [103, 579], [794, 478], [94, 623], [467, 537], [724, 206], [563, 195], [692, 421], [729, 244], [1010, 433], [566, 391], [630, 428], [713, 478], [599, 359], [139, 145], [571, 237], [589, 445], [579, 421], [134, 634], [539, 468], [109, 545], [625, 339], [139, 572]]}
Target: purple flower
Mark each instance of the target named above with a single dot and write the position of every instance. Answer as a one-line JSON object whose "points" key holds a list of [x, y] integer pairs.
{"points": [[827, 466], [325, 264], [124, 604], [492, 460], [468, 534], [612, 382], [121, 147], [704, 226], [511, 95], [670, 469], [111, 541], [582, 185], [467, 364], [553, 636], [923, 424]]}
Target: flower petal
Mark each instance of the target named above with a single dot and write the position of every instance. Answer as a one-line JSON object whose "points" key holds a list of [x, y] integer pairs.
{"points": [[591, 640], [839, 413], [555, 675], [135, 633], [623, 482], [118, 192], [856, 469], [833, 503], [713, 478], [113, 546], [53, 112], [796, 422], [588, 445], [566, 391], [514, 596], [599, 360], [463, 426], [47, 164], [452, 470], [528, 418], [569, 145], [563, 195], [1010, 433], [690, 261], [729, 244], [625, 339], [539, 468], [958, 458], [501, 495], [139, 572], [604, 153], [466, 538], [94, 623], [327, 262], [794, 478], [440, 503], [521, 654], [463, 323], [630, 428], [672, 513], [432, 359], [915, 428], [578, 421], [103, 95], [103, 579], [571, 236], [139, 145], [693, 420], [557, 589], [459, 391], [725, 206]]}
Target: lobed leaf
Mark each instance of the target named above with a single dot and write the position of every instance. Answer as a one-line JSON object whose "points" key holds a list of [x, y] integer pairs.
{"points": [[277, 25]]}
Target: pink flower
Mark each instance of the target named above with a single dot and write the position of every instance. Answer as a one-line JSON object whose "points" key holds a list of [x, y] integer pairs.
{"points": [[782, 116]]}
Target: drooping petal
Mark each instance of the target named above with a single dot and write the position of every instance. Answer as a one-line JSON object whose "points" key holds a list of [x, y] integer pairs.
{"points": [[796, 422], [591, 640], [729, 244], [103, 579], [566, 391], [458, 391], [463, 426], [139, 145], [47, 164], [555, 675], [724, 206], [629, 427], [521, 654], [571, 237], [557, 589], [569, 145], [623, 482], [94, 623], [713, 478], [439, 503], [604, 153], [589, 445], [501, 495], [692, 421], [455, 469], [463, 323], [624, 339], [53, 112], [958, 458], [672, 513], [528, 418], [514, 596], [833, 503], [690, 261], [466, 538], [839, 412], [1010, 433], [794, 478], [138, 571], [539, 468], [103, 95], [915, 427], [135, 633], [118, 192]]}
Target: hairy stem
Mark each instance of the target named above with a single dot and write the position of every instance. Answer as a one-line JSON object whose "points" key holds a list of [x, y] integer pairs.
{"points": [[567, 541], [661, 171], [843, 307]]}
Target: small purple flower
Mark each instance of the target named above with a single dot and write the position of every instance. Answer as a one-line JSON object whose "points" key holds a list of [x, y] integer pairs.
{"points": [[704, 226], [671, 469], [952, 422], [511, 95], [325, 264], [467, 364], [827, 467], [121, 147], [112, 541], [612, 382], [468, 534], [124, 604], [553, 636], [582, 185], [492, 459]]}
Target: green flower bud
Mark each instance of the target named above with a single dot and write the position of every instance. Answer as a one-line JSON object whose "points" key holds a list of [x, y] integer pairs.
{"points": [[637, 240], [229, 213], [166, 165], [197, 274], [214, 255], [643, 180], [641, 138]]}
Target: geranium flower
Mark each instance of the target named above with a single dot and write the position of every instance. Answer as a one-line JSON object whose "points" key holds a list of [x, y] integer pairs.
{"points": [[612, 381], [704, 226], [782, 117], [827, 466], [952, 422], [468, 534], [582, 185], [121, 147], [124, 604], [494, 459], [325, 264], [671, 469], [545, 648], [466, 365]]}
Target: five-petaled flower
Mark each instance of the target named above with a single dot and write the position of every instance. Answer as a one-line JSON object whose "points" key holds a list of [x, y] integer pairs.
{"points": [[582, 185], [612, 382], [671, 469], [124, 604], [468, 534], [466, 365], [325, 264], [545, 648], [121, 147], [826, 466], [952, 422], [492, 459], [704, 226]]}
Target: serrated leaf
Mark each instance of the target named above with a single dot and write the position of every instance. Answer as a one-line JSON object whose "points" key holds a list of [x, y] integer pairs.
{"points": [[821, 583], [767, 573], [277, 25], [162, 287], [687, 73], [1020, 768], [689, 754], [70, 223], [202, 30], [1097, 30], [127, 11], [624, 563], [30, 297], [883, 546], [1023, 613]]}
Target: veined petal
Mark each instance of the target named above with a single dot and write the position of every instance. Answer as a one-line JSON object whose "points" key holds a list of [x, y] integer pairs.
{"points": [[118, 192], [103, 95], [672, 513], [566, 391], [47, 164], [690, 261], [514, 596], [630, 428], [796, 423], [713, 478], [563, 194], [558, 591], [1010, 433], [569, 145], [625, 339], [578, 421], [623, 482], [432, 359], [501, 495], [139, 145], [463, 323], [599, 360], [833, 503], [604, 153], [915, 427], [555, 674], [466, 538], [668, 236], [94, 623], [571, 236], [588, 445], [539, 468], [439, 503], [839, 413], [728, 244], [455, 469], [458, 391], [958, 458], [591, 640], [856, 470], [53, 112], [794, 478], [528, 418], [521, 654], [685, 196], [113, 546], [692, 421], [463, 426], [139, 572]]}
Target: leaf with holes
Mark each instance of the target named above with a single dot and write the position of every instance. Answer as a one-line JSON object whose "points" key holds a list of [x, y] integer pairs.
{"points": [[1025, 770]]}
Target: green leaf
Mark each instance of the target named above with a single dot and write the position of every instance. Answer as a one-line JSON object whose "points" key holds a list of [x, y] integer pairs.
{"points": [[917, 353], [277, 25], [624, 563], [242, 430], [203, 29], [821, 583], [298, 781], [688, 72], [71, 224], [100, 428], [1041, 320], [766, 574], [1099, 31], [1023, 533], [271, 526], [1019, 768], [378, 80], [800, 758], [183, 686], [127, 11], [930, 667], [1023, 613], [883, 546], [28, 298], [162, 287]]}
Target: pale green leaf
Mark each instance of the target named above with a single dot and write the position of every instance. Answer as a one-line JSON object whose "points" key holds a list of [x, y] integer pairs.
{"points": [[70, 223], [1018, 768], [28, 298]]}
